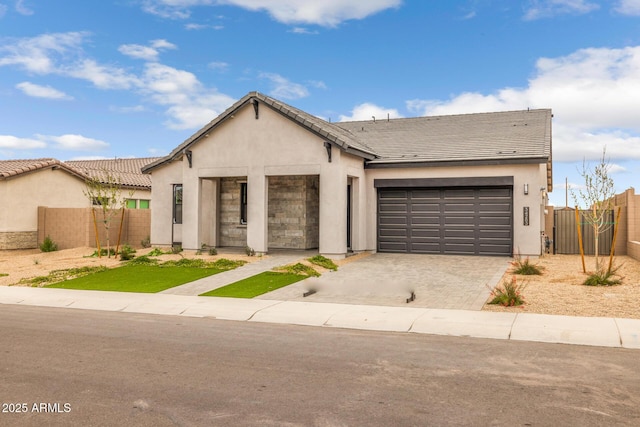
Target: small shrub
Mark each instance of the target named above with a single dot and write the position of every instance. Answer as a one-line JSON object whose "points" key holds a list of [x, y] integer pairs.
{"points": [[323, 262], [127, 253], [213, 251], [300, 269], [603, 277], [4, 274], [509, 294], [143, 260], [249, 251], [103, 252], [525, 268], [156, 252], [226, 264], [61, 275], [146, 242], [48, 245], [36, 261]]}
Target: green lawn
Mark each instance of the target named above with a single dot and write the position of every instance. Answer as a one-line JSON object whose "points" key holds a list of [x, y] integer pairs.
{"points": [[256, 285], [137, 278]]}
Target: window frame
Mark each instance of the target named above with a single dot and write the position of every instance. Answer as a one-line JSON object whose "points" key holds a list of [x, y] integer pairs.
{"points": [[243, 203], [178, 195]]}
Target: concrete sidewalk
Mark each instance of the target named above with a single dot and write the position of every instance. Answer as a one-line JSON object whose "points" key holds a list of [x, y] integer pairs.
{"points": [[593, 331]]}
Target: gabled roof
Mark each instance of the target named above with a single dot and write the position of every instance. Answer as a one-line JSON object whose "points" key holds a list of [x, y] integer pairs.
{"points": [[481, 138], [11, 168], [127, 171], [329, 131]]}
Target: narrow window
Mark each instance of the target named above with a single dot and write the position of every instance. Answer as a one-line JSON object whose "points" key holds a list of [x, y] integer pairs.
{"points": [[243, 203], [144, 204], [177, 204], [131, 203]]}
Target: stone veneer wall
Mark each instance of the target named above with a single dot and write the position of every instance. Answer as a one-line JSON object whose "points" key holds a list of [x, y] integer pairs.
{"points": [[18, 240], [293, 212], [232, 233]]}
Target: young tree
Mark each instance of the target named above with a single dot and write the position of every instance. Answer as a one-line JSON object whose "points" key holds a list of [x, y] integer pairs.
{"points": [[596, 197], [105, 191]]}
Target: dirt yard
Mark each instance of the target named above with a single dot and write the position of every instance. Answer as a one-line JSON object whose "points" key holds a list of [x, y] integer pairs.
{"points": [[557, 291]]}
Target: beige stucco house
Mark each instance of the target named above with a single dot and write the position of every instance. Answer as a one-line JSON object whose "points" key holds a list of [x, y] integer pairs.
{"points": [[266, 175], [27, 184]]}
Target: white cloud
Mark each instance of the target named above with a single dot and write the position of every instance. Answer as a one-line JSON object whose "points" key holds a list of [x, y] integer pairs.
{"points": [[127, 110], [549, 8], [593, 94], [38, 54], [367, 111], [147, 53], [191, 105], [281, 87], [329, 13], [22, 9], [218, 66], [38, 91], [628, 7], [73, 142], [301, 30], [15, 143], [102, 76]]}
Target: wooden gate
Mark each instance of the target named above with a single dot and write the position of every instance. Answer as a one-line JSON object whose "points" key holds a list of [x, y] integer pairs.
{"points": [[565, 238]]}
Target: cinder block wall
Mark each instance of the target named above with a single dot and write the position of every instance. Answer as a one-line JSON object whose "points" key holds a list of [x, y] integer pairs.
{"points": [[74, 227]]}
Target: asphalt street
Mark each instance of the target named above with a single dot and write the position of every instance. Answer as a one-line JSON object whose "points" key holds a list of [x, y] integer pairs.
{"points": [[92, 368]]}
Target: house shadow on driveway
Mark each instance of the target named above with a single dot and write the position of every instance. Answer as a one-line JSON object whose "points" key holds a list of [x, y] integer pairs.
{"points": [[438, 281]]}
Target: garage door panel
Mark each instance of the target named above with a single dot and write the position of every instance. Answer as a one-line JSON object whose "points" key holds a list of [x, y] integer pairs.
{"points": [[494, 220], [459, 207], [425, 207], [425, 220], [425, 195], [459, 194], [393, 220], [392, 232], [474, 221], [432, 233], [394, 247]]}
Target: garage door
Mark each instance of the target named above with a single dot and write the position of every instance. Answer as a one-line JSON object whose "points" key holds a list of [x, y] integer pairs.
{"points": [[464, 221]]}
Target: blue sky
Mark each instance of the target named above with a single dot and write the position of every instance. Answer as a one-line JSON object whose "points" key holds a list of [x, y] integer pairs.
{"points": [[134, 78]]}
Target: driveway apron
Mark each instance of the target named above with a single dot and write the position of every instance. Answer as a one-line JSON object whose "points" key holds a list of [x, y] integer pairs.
{"points": [[437, 281]]}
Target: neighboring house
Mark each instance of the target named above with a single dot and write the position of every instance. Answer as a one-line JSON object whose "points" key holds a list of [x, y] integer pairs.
{"points": [[27, 184], [266, 175]]}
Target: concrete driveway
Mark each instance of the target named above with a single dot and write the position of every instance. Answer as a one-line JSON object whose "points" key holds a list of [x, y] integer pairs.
{"points": [[438, 281]]}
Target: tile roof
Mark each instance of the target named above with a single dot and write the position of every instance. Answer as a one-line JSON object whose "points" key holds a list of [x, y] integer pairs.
{"points": [[128, 171], [509, 135]]}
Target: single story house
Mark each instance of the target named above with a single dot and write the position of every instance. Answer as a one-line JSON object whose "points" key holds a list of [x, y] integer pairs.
{"points": [[266, 175], [27, 184]]}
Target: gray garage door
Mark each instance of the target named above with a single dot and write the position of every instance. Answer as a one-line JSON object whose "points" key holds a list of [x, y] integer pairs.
{"points": [[468, 221]]}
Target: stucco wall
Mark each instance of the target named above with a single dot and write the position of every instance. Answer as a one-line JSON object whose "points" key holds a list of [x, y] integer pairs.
{"points": [[162, 226], [24, 193]]}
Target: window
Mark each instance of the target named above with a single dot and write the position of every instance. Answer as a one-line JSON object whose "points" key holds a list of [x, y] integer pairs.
{"points": [[243, 203], [177, 204], [131, 203], [144, 204]]}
